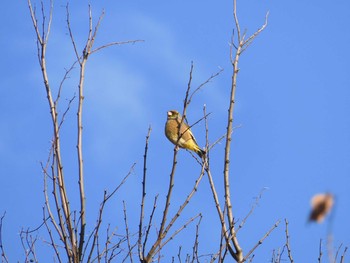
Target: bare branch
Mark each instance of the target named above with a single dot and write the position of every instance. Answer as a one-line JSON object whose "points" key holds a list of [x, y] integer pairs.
{"points": [[92, 37], [52, 240], [95, 232], [215, 195], [343, 255], [109, 249], [28, 244], [50, 21], [65, 77], [163, 230], [116, 44], [249, 41], [261, 240], [149, 227], [257, 199], [202, 84], [179, 254], [196, 242], [240, 47], [142, 213], [71, 35], [57, 167], [238, 254], [280, 253], [35, 23], [2, 249], [287, 243], [320, 252], [185, 203], [336, 254], [238, 28], [161, 235], [129, 254], [66, 111], [177, 232], [187, 92]]}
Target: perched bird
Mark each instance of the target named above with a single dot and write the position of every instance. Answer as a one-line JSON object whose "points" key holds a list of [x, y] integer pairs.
{"points": [[187, 140], [321, 204]]}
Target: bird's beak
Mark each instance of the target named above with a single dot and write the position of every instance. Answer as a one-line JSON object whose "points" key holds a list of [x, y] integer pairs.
{"points": [[169, 113]]}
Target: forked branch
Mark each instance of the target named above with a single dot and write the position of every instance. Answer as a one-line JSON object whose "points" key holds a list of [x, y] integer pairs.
{"points": [[241, 45]]}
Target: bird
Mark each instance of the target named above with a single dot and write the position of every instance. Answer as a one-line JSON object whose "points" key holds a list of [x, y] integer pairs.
{"points": [[321, 205], [187, 140]]}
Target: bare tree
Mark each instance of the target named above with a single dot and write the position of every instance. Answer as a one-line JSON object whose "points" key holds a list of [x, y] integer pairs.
{"points": [[239, 43], [70, 237], [68, 223]]}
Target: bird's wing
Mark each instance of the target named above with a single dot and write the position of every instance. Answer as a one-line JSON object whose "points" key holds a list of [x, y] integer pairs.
{"points": [[187, 133], [192, 136]]}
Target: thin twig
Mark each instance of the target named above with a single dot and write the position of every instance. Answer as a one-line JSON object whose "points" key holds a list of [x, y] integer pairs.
{"points": [[50, 21], [343, 255], [320, 252], [177, 232], [261, 240], [52, 240], [66, 111], [249, 41], [215, 195], [256, 203], [149, 225], [129, 254], [218, 208], [287, 242], [35, 23], [238, 28], [179, 254], [71, 34], [185, 203], [28, 244], [222, 246], [60, 230], [107, 248], [142, 213], [65, 77], [2, 249], [336, 254], [213, 189], [95, 232], [196, 242], [203, 84], [161, 235], [280, 254], [116, 44]]}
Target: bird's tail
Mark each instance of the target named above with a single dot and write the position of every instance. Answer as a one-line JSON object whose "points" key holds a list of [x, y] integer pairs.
{"points": [[201, 153]]}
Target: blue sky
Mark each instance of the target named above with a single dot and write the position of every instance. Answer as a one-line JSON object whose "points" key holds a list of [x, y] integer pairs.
{"points": [[292, 108]]}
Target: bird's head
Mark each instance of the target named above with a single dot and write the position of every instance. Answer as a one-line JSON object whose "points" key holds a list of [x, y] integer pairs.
{"points": [[173, 115]]}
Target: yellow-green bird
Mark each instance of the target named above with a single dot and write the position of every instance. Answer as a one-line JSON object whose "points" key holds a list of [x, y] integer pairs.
{"points": [[187, 140]]}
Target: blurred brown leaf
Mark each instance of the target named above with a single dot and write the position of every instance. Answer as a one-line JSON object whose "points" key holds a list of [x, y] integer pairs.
{"points": [[321, 204]]}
